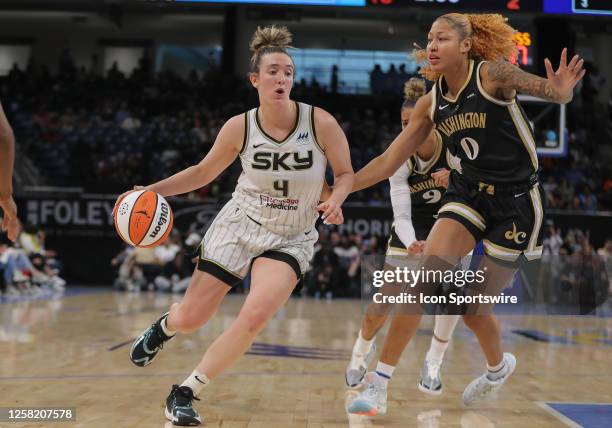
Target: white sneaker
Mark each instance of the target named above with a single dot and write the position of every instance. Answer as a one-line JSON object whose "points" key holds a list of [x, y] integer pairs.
{"points": [[357, 367], [481, 387], [373, 400], [430, 382]]}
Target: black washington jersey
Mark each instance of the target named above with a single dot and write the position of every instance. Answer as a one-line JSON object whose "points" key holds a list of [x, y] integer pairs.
{"points": [[491, 137], [425, 195]]}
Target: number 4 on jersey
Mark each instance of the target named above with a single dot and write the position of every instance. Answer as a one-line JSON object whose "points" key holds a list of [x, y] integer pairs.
{"points": [[282, 186]]}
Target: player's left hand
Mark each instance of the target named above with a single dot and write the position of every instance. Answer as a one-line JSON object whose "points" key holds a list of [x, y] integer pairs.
{"points": [[567, 75], [331, 212], [441, 177], [10, 222]]}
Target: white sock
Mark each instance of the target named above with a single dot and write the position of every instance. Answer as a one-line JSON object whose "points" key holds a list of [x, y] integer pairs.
{"points": [[165, 329], [496, 372], [436, 350], [362, 346], [196, 381], [384, 372], [445, 326], [443, 330]]}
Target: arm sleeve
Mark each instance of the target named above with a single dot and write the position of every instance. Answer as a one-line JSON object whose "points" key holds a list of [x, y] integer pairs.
{"points": [[400, 201]]}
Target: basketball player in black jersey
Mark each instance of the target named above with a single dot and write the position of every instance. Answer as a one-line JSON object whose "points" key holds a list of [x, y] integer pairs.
{"points": [[416, 190], [497, 198]]}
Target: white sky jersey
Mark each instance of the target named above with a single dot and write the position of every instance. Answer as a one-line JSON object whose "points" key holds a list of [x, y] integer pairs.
{"points": [[281, 181]]}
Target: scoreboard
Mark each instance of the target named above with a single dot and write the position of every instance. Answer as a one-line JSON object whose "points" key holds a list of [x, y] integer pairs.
{"points": [[599, 7], [466, 5], [580, 7]]}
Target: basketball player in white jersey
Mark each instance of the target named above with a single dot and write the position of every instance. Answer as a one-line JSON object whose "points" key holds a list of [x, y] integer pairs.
{"points": [[268, 227]]}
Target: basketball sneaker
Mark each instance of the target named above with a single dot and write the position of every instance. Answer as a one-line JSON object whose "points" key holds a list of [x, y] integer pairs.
{"points": [[373, 400], [430, 382], [358, 366], [179, 408], [149, 343], [482, 387]]}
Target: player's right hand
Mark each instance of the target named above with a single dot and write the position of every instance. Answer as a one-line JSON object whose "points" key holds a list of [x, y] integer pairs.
{"points": [[123, 195], [331, 212], [10, 222], [416, 248], [441, 177]]}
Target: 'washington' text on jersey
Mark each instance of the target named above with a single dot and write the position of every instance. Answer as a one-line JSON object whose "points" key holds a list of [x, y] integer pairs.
{"points": [[462, 121]]}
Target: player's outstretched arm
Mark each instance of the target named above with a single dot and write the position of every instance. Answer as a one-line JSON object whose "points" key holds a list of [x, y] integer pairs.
{"points": [[10, 223], [404, 146], [558, 86], [226, 148], [332, 139]]}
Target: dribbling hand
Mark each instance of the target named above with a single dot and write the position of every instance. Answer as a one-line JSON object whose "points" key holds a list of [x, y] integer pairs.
{"points": [[123, 195]]}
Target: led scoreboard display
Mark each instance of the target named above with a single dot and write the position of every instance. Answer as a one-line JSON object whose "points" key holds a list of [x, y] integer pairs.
{"points": [[472, 5], [336, 3], [598, 7]]}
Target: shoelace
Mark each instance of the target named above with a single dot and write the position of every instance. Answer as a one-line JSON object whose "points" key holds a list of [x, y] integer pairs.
{"points": [[372, 390], [359, 361], [433, 368], [486, 385], [184, 396], [158, 339]]}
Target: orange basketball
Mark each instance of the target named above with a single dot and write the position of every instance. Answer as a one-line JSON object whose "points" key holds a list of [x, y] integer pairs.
{"points": [[143, 218]]}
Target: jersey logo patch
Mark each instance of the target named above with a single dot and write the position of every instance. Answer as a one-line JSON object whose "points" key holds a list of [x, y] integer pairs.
{"points": [[302, 138], [471, 95], [258, 145], [514, 235], [441, 107]]}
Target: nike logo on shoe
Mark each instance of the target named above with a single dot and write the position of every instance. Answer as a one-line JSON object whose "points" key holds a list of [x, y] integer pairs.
{"points": [[201, 381]]}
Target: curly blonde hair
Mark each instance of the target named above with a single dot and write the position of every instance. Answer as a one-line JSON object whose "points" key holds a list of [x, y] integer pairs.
{"points": [[414, 89], [492, 38], [273, 39]]}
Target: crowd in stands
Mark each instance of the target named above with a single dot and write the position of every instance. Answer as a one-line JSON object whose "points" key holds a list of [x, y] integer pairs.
{"points": [[106, 133], [28, 267], [168, 267], [574, 272]]}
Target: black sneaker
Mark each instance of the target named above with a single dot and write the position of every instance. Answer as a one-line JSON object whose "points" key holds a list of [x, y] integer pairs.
{"points": [[149, 343], [179, 409]]}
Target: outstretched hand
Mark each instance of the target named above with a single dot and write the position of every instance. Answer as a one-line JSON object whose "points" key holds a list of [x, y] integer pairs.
{"points": [[331, 212], [567, 75]]}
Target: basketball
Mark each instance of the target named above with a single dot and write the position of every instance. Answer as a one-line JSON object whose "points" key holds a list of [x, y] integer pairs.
{"points": [[143, 219]]}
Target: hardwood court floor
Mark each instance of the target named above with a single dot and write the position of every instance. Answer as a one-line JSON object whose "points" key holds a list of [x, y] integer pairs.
{"points": [[74, 352]]}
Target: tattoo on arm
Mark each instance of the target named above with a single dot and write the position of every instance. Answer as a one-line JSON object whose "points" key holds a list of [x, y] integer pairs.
{"points": [[509, 76]]}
